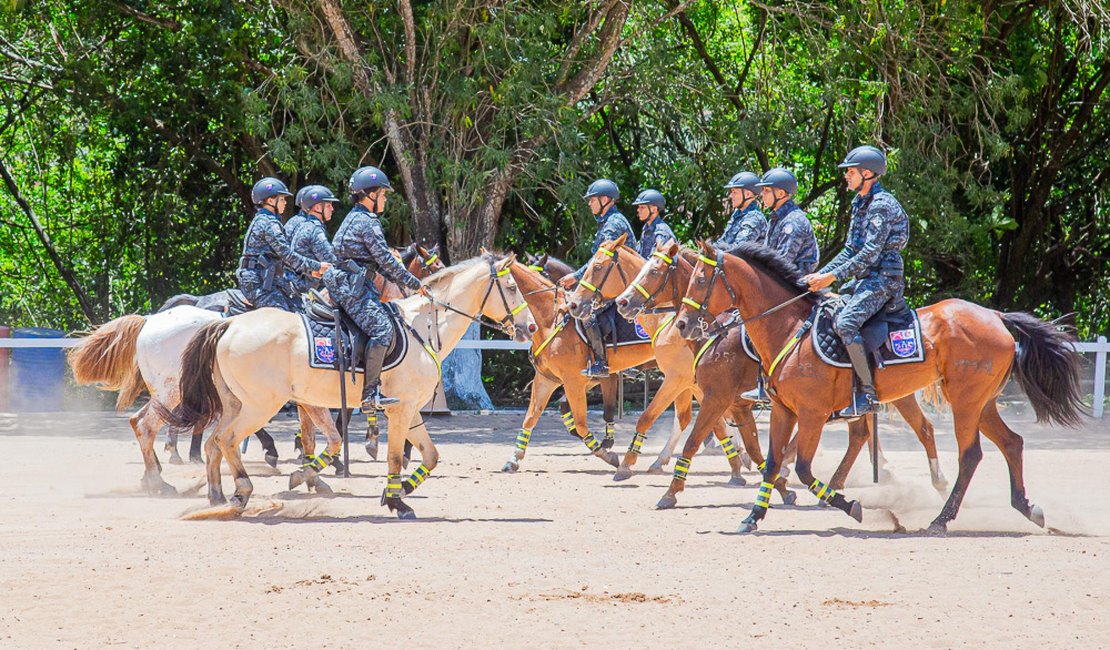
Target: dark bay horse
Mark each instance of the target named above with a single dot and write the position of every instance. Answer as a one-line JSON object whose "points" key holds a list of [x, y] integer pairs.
{"points": [[970, 349]]}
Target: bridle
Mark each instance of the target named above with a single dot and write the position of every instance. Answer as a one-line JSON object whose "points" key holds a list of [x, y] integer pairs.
{"points": [[596, 299], [650, 304], [504, 325]]}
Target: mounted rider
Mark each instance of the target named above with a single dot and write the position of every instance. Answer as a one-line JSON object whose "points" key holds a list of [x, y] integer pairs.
{"points": [[746, 223], [872, 258], [650, 205], [789, 233], [601, 197], [361, 251], [311, 236], [267, 252]]}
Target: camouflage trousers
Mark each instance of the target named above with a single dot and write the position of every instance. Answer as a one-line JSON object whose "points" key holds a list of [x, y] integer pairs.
{"points": [[251, 285], [868, 296], [367, 312]]}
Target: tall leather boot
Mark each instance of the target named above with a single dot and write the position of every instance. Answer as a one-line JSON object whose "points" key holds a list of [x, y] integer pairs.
{"points": [[372, 398], [599, 366], [864, 401]]}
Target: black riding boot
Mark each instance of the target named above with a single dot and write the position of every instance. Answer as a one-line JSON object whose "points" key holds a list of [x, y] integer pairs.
{"points": [[863, 397], [599, 366], [372, 398], [757, 394]]}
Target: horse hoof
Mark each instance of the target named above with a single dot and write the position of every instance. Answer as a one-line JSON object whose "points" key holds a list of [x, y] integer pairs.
{"points": [[746, 527], [623, 473], [856, 511], [175, 459], [339, 467], [322, 487], [667, 502], [656, 469], [238, 502], [510, 466], [406, 514], [372, 449], [746, 461], [937, 529], [167, 490], [1036, 515], [296, 479], [737, 481], [610, 458], [271, 460], [607, 443], [790, 498], [196, 460], [216, 500]]}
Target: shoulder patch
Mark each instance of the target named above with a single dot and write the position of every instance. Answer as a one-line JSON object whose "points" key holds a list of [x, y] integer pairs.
{"points": [[787, 229], [876, 221]]}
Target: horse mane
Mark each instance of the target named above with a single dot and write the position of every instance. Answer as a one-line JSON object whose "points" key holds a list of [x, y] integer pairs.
{"points": [[770, 261], [448, 274], [690, 255]]}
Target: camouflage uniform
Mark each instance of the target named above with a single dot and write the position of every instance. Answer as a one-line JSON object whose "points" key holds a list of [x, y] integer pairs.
{"points": [[311, 240], [743, 225], [872, 256], [266, 254], [610, 226], [655, 233], [790, 233], [361, 251]]}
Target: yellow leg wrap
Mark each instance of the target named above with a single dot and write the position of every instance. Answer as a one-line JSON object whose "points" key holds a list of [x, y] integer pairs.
{"points": [[522, 439], [681, 468], [568, 421], [372, 418], [637, 443], [393, 486], [729, 448], [764, 464], [822, 491], [763, 497], [318, 462], [610, 428], [418, 477], [593, 443]]}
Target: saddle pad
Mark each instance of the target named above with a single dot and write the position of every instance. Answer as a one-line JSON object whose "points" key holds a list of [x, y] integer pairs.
{"points": [[615, 330], [891, 339], [749, 349], [322, 350]]}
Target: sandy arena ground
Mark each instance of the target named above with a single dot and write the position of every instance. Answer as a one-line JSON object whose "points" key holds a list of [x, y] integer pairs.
{"points": [[558, 555]]}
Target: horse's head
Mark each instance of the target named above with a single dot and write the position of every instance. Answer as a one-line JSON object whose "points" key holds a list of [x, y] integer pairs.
{"points": [[426, 261], [707, 295], [509, 309], [659, 270], [607, 275]]}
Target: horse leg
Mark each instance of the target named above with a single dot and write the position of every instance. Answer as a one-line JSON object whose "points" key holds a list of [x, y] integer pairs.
{"points": [[267, 442], [373, 434], [911, 412], [666, 395], [731, 454], [609, 409], [171, 447], [429, 455], [308, 449], [576, 400], [196, 439], [810, 425], [317, 419], [1011, 445], [542, 388], [966, 421], [749, 434], [214, 456], [859, 432], [709, 415], [400, 416], [145, 423], [782, 425]]}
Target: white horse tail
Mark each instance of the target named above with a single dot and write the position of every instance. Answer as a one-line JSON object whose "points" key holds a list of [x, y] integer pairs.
{"points": [[106, 357], [200, 399]]}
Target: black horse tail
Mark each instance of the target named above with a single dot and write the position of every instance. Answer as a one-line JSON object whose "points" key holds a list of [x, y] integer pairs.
{"points": [[200, 399], [1047, 368], [178, 300]]}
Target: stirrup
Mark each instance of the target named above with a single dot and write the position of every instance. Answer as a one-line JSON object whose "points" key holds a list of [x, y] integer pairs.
{"points": [[375, 401], [756, 395], [596, 370], [862, 404]]}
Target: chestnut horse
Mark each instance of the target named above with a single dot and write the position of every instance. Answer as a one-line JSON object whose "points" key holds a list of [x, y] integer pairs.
{"points": [[972, 350]]}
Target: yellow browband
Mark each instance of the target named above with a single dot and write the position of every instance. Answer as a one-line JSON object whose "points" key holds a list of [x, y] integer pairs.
{"points": [[431, 260]]}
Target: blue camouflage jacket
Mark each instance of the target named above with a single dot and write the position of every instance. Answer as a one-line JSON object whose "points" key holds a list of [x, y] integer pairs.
{"points": [[743, 225], [360, 246], [655, 233], [879, 231], [790, 233], [610, 226], [311, 240], [267, 243]]}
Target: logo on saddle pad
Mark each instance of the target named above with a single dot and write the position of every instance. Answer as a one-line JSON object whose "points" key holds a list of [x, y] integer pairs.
{"points": [[324, 348], [903, 342], [641, 332]]}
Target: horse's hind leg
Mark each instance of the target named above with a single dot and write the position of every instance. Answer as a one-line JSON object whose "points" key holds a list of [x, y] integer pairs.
{"points": [[741, 412], [317, 419], [1011, 445], [267, 442], [171, 447], [913, 415], [667, 394], [145, 423], [609, 408], [576, 399]]}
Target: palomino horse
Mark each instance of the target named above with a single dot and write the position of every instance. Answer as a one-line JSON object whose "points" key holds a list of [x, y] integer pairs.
{"points": [[723, 370], [135, 352], [239, 372], [972, 350], [559, 355]]}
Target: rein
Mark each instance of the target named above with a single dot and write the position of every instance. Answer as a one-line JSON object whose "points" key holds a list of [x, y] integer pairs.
{"points": [[652, 298], [596, 298], [505, 324]]}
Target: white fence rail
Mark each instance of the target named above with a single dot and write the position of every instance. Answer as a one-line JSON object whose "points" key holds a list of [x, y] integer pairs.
{"points": [[1099, 348]]}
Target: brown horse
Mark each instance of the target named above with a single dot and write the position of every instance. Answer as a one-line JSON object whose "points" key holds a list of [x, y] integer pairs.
{"points": [[972, 350], [559, 355]]}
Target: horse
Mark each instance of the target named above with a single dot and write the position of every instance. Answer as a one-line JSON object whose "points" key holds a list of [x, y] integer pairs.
{"points": [[133, 353], [973, 351], [239, 371], [723, 370]]}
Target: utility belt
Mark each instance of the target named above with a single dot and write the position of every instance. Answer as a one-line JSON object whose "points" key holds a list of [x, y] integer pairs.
{"points": [[362, 272], [270, 268]]}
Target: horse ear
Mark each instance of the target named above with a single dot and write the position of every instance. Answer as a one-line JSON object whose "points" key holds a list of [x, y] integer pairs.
{"points": [[434, 249], [423, 251], [507, 262], [620, 240], [543, 260], [671, 247], [706, 248]]}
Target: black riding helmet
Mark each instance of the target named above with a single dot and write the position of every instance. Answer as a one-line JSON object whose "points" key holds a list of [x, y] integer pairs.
{"points": [[366, 180], [267, 188]]}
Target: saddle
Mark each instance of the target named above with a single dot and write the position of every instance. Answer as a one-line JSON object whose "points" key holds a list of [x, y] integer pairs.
{"points": [[891, 337], [615, 330], [319, 318]]}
